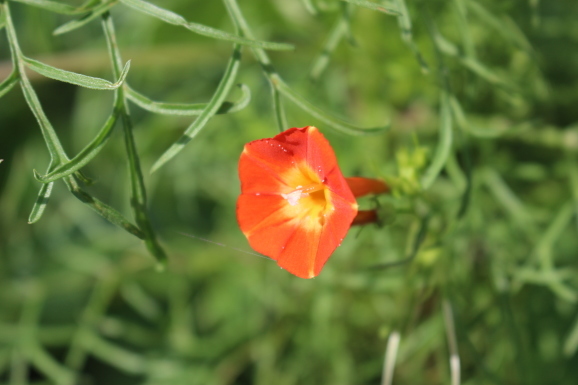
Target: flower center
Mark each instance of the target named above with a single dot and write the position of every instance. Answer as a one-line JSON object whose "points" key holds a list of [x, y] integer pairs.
{"points": [[302, 191]]}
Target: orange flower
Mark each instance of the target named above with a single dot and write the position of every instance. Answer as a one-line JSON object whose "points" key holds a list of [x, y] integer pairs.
{"points": [[295, 205]]}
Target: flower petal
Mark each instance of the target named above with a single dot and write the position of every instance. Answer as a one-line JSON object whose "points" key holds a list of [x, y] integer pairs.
{"points": [[295, 205], [365, 186], [365, 217]]}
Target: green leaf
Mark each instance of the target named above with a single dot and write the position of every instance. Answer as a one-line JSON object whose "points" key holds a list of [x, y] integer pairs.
{"points": [[93, 14], [49, 367], [332, 122], [336, 34], [444, 144], [279, 111], [54, 6], [308, 4], [173, 18], [508, 199], [42, 200], [138, 196], [386, 7], [503, 25], [106, 211], [74, 78], [418, 240], [8, 83], [471, 63], [548, 238], [50, 137], [404, 22], [571, 343], [84, 156], [212, 107], [464, 28], [464, 124], [187, 109]]}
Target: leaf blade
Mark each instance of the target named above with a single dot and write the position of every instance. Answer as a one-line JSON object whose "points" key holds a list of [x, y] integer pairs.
{"points": [[76, 78], [212, 107], [444, 144], [42, 199], [86, 155], [176, 19], [53, 6], [185, 109], [91, 15], [386, 7], [8, 83], [107, 212], [335, 123]]}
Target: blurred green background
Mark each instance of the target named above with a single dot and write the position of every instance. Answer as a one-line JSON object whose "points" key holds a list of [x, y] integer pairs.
{"points": [[485, 256]]}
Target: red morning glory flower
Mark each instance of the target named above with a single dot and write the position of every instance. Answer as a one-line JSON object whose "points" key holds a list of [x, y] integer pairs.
{"points": [[295, 205]]}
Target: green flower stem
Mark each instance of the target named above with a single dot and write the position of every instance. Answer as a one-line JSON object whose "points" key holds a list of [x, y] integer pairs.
{"points": [[138, 192]]}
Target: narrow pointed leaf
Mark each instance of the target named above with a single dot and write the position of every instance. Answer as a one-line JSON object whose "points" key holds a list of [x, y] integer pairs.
{"points": [[48, 366], [571, 342], [464, 124], [464, 28], [55, 149], [74, 78], [332, 122], [503, 25], [336, 34], [212, 107], [53, 6], [384, 7], [278, 110], [418, 240], [8, 83], [308, 4], [173, 18], [138, 196], [50, 137], [85, 156], [471, 63], [106, 211], [508, 200], [93, 14], [187, 109], [42, 200], [443, 146], [404, 22]]}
